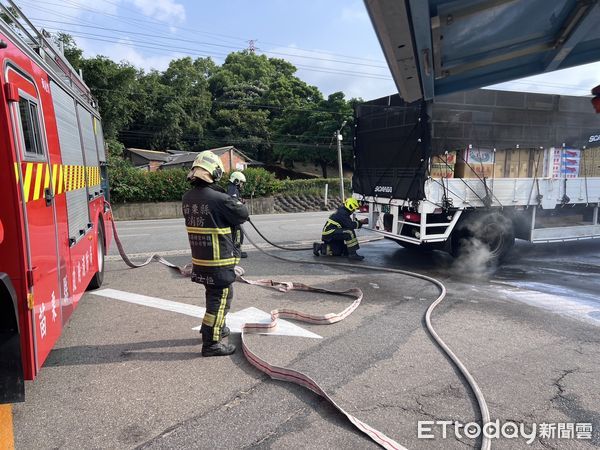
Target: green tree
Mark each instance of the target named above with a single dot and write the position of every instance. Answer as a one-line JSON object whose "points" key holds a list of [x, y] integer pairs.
{"points": [[314, 129], [73, 53], [250, 92], [173, 107], [112, 84]]}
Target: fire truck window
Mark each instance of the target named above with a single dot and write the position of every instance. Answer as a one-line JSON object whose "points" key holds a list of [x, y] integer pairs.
{"points": [[31, 127]]}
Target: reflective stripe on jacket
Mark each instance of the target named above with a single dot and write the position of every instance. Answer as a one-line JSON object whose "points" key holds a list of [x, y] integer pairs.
{"points": [[340, 220], [209, 215]]}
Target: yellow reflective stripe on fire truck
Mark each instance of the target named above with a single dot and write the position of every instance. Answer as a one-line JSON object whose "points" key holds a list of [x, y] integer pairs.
{"points": [[38, 180], [65, 178], [61, 180], [217, 263], [27, 181], [196, 230], [54, 177]]}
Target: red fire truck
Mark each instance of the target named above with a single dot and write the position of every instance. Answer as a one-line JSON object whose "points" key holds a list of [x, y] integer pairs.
{"points": [[54, 217]]}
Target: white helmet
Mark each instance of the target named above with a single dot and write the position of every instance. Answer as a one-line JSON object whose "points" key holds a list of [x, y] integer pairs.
{"points": [[237, 178]]}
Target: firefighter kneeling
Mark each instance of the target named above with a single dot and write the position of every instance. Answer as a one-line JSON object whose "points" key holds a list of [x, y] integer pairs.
{"points": [[339, 238], [210, 215]]}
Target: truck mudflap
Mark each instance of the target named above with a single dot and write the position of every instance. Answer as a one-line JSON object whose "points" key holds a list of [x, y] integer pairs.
{"points": [[12, 385]]}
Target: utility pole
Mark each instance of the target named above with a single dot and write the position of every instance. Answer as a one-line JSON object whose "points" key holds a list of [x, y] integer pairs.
{"points": [[338, 136]]}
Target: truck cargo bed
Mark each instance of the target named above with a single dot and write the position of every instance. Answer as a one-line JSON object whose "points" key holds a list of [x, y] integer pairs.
{"points": [[471, 192]]}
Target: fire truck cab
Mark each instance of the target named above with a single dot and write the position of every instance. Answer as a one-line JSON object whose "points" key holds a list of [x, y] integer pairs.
{"points": [[54, 217]]}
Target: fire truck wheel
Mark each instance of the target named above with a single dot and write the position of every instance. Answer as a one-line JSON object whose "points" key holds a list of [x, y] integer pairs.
{"points": [[492, 233], [98, 278]]}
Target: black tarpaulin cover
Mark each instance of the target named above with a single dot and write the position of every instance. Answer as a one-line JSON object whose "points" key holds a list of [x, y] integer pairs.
{"points": [[391, 148]]}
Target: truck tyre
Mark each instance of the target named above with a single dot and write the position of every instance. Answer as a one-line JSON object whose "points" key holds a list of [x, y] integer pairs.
{"points": [[98, 277], [493, 230]]}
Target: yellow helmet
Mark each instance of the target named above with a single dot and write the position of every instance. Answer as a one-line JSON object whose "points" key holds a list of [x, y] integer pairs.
{"points": [[351, 204], [210, 162]]}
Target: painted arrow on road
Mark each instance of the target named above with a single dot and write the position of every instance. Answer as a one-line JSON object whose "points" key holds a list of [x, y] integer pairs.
{"points": [[235, 320]]}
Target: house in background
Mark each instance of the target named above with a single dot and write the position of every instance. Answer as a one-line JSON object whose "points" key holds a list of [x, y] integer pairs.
{"points": [[232, 159], [149, 160]]}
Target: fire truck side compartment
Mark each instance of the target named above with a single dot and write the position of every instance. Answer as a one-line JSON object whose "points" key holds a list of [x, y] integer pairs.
{"points": [[71, 149]]}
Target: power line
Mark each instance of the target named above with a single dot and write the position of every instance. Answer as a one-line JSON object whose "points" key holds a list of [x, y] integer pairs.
{"points": [[251, 47], [323, 70], [193, 30], [189, 51], [187, 137]]}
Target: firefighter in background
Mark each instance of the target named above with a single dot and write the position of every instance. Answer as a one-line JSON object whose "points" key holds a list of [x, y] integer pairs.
{"points": [[339, 238], [234, 188], [210, 215]]}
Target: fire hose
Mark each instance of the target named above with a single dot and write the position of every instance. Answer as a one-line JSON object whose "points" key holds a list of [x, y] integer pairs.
{"points": [[299, 378]]}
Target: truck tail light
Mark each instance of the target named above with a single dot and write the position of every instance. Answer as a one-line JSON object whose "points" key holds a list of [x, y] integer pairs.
{"points": [[596, 99], [364, 208], [596, 103], [412, 217]]}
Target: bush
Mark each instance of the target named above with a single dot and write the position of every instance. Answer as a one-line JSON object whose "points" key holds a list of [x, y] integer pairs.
{"points": [[314, 186], [260, 183], [128, 184]]}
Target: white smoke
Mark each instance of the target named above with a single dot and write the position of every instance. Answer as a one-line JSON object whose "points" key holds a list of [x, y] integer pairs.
{"points": [[474, 260]]}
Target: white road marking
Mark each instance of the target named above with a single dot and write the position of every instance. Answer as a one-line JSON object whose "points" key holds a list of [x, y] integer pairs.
{"points": [[234, 320], [584, 309], [254, 315]]}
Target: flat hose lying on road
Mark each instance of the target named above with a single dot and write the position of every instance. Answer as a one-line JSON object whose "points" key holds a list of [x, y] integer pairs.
{"points": [[286, 374], [376, 436]]}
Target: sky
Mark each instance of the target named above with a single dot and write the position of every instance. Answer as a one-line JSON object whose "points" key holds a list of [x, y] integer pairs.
{"points": [[331, 42]]}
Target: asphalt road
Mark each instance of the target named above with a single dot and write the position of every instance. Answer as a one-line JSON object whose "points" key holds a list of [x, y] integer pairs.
{"points": [[130, 376]]}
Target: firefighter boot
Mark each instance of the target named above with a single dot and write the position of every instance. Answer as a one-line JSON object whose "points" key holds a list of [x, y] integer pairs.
{"points": [[316, 248], [225, 331], [355, 257], [243, 255], [217, 349]]}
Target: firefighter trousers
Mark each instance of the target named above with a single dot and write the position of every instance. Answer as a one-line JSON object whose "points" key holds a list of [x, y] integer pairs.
{"points": [[340, 243], [218, 301], [238, 237]]}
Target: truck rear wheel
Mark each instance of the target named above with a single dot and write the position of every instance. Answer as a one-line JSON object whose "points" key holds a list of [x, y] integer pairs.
{"points": [[491, 232], [98, 278]]}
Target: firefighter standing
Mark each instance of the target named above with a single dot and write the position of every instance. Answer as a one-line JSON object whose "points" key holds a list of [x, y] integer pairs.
{"points": [[339, 238], [234, 188], [210, 215]]}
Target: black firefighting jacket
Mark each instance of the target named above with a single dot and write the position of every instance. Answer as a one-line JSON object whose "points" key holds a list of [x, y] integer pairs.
{"points": [[209, 215], [340, 220], [234, 191]]}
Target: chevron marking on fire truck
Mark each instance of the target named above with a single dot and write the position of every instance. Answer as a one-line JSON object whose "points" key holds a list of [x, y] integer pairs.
{"points": [[65, 178]]}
